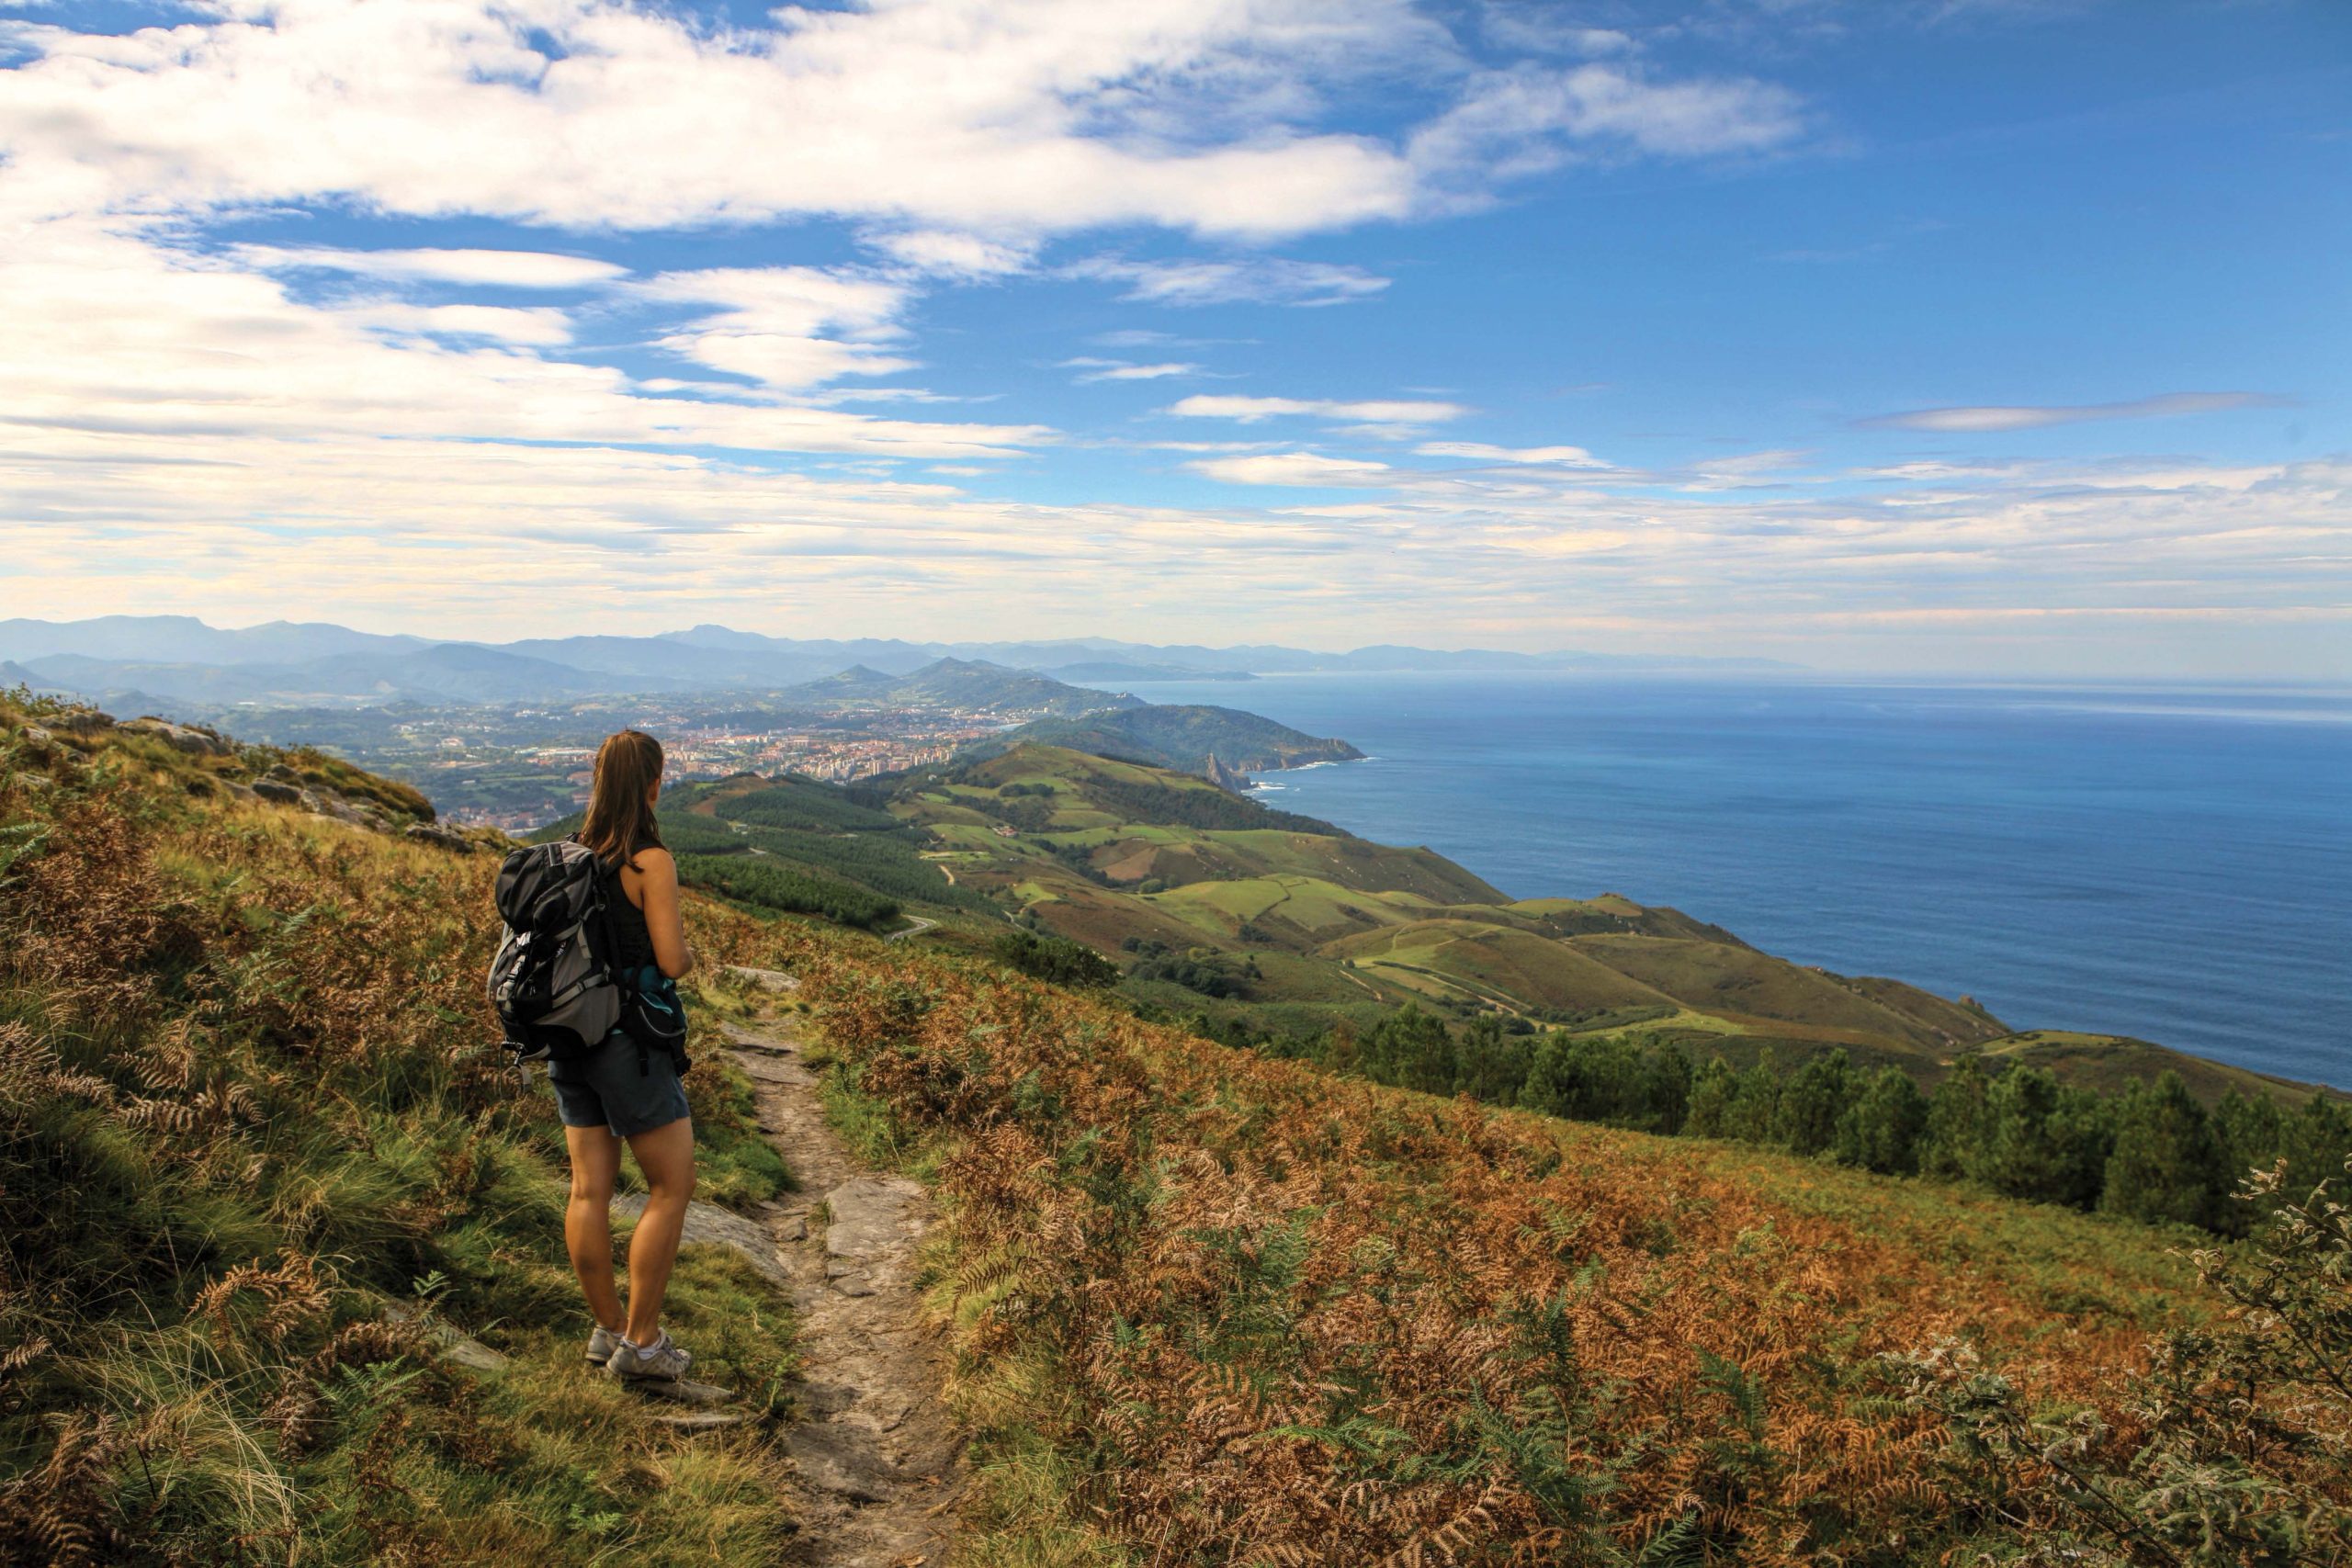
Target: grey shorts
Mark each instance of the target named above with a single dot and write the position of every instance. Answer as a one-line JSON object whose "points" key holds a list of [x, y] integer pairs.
{"points": [[606, 1090]]}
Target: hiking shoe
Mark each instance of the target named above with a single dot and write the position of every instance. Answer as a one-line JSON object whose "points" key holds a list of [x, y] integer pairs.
{"points": [[602, 1343], [661, 1361]]}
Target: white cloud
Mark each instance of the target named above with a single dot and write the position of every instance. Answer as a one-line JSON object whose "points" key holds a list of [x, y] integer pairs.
{"points": [[965, 257], [1291, 469], [955, 116], [539, 328], [489, 269], [1529, 118], [1120, 370], [1563, 456], [1249, 410], [1258, 280], [1994, 417], [772, 323], [421, 534], [111, 333], [1542, 28]]}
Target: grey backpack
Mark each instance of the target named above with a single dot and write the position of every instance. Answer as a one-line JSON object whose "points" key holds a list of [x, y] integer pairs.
{"points": [[552, 980]]}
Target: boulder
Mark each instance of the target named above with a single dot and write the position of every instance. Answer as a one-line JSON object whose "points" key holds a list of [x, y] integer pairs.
{"points": [[195, 742], [439, 836], [708, 1223], [81, 721], [38, 740], [282, 793], [326, 803], [453, 1346]]}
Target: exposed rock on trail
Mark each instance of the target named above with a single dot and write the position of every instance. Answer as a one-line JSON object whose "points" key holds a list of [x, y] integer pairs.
{"points": [[876, 1455]]}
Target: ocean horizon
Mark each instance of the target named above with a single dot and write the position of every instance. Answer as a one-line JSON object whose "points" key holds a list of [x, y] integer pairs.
{"points": [[2172, 862]]}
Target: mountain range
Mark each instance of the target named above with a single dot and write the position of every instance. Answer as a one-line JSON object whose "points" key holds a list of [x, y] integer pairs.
{"points": [[181, 659]]}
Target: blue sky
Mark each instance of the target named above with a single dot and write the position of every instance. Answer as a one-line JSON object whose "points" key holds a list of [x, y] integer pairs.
{"points": [[2006, 337]]}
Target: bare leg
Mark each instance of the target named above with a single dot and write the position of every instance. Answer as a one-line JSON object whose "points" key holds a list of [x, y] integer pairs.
{"points": [[588, 1218], [666, 1155]]}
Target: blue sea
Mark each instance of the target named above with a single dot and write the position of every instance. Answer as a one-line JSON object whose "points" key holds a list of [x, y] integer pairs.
{"points": [[2170, 863]]}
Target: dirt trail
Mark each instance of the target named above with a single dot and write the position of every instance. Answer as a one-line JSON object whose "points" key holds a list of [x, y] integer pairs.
{"points": [[876, 1455]]}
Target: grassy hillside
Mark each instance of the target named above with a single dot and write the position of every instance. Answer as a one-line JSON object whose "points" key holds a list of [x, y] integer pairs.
{"points": [[1216, 1309], [798, 846], [248, 1115], [1207, 1307], [2111, 1061]]}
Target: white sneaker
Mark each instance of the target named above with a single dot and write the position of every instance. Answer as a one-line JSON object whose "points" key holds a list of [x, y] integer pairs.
{"points": [[602, 1343], [661, 1361]]}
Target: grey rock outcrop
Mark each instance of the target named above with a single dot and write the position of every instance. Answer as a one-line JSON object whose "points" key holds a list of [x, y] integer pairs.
{"points": [[1225, 778], [439, 836], [180, 737]]}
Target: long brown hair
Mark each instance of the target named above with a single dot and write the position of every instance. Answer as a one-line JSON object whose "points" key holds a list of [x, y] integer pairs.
{"points": [[620, 818]]}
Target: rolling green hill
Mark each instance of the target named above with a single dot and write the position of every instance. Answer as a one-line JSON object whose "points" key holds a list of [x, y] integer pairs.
{"points": [[800, 846], [1184, 736], [1142, 863]]}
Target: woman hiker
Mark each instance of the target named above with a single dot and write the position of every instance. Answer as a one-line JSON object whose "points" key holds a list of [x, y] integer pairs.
{"points": [[629, 1092]]}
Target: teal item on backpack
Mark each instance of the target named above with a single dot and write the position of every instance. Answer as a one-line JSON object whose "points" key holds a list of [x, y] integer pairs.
{"points": [[654, 1015]]}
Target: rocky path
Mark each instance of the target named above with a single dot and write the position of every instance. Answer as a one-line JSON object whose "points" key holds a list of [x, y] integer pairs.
{"points": [[875, 1455]]}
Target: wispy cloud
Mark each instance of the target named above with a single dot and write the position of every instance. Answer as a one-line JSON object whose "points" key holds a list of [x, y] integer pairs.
{"points": [[1563, 456], [1978, 419], [1292, 469], [488, 269], [1527, 118], [1258, 280], [1121, 370], [1249, 410], [947, 254]]}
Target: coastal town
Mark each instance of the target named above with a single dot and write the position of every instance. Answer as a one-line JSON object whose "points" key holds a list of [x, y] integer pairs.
{"points": [[518, 766]]}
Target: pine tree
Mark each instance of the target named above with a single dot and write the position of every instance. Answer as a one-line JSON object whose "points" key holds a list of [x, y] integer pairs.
{"points": [[1955, 1132], [1664, 1090], [1412, 1050], [1881, 1131], [2249, 1133], [2315, 1142], [2042, 1140], [1713, 1089], [1806, 1118], [1493, 1063], [1755, 1105], [2165, 1164]]}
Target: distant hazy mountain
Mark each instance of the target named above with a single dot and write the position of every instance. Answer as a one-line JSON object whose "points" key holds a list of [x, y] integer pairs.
{"points": [[1118, 672], [447, 672], [179, 659], [184, 639]]}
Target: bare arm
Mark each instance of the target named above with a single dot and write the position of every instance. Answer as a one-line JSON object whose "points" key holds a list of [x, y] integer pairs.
{"points": [[657, 887]]}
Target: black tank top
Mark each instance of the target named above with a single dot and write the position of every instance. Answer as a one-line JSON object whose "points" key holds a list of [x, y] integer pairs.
{"points": [[632, 942]]}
